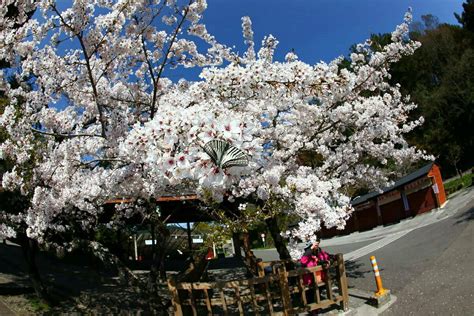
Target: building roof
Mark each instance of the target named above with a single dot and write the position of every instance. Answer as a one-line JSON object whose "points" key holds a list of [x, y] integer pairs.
{"points": [[423, 171]]}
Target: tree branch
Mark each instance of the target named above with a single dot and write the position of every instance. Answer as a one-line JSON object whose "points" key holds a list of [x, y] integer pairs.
{"points": [[89, 70], [165, 59], [34, 130]]}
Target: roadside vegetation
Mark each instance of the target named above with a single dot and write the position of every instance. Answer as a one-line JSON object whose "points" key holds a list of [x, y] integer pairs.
{"points": [[457, 184]]}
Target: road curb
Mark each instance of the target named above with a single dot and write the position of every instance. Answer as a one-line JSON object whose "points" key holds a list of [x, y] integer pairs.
{"points": [[360, 303]]}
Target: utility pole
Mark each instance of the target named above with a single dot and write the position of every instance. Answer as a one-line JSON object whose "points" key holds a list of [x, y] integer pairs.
{"points": [[135, 247]]}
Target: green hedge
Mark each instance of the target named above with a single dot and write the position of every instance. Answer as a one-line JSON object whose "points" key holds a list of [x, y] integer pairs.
{"points": [[457, 184]]}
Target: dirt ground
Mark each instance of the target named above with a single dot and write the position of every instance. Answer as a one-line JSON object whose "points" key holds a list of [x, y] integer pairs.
{"points": [[76, 287], [83, 287]]}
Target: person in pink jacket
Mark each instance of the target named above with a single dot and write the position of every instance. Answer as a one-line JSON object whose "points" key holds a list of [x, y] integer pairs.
{"points": [[312, 257]]}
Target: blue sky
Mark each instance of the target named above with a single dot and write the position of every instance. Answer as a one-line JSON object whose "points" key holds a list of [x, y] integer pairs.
{"points": [[317, 29]]}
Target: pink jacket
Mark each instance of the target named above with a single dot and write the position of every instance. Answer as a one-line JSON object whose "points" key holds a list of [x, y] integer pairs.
{"points": [[308, 261], [322, 255]]}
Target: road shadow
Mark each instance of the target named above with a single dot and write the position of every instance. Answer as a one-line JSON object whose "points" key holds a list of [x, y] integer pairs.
{"points": [[76, 286], [14, 288], [13, 279], [353, 269], [465, 216], [16, 268]]}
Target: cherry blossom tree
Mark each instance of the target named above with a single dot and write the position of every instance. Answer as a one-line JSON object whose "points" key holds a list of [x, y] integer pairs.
{"points": [[350, 118], [94, 118], [86, 75]]}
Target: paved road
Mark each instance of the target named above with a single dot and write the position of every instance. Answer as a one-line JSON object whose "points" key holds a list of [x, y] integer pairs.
{"points": [[427, 261], [429, 268], [356, 245], [446, 285]]}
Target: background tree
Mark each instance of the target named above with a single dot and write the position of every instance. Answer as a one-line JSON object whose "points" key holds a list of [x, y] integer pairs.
{"points": [[466, 19], [439, 78]]}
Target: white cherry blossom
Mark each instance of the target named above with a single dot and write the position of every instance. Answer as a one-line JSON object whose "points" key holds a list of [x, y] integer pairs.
{"points": [[96, 119]]}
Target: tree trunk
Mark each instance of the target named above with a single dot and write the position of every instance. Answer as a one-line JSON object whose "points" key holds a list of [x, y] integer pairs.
{"points": [[111, 260], [161, 265], [246, 243], [157, 268], [195, 271], [272, 225], [250, 260], [160, 233], [237, 246], [156, 301], [30, 249], [153, 275], [458, 171]]}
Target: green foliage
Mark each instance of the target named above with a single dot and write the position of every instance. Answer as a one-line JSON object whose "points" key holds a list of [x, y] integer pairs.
{"points": [[38, 305], [466, 19], [212, 233], [439, 77], [459, 183]]}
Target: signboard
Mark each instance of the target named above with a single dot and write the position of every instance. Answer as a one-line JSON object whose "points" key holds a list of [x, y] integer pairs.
{"points": [[364, 205], [389, 197], [417, 185]]}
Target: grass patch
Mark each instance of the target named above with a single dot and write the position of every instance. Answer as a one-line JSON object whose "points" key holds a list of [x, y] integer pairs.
{"points": [[458, 184], [38, 305]]}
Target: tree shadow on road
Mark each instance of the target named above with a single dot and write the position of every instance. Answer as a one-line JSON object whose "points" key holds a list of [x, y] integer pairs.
{"points": [[13, 288], [13, 280], [465, 216], [77, 287], [353, 269]]}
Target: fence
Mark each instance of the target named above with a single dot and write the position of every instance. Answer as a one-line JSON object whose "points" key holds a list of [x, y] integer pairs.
{"points": [[281, 293]]}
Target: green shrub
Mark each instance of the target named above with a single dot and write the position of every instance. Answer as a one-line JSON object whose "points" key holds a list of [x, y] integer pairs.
{"points": [[458, 184]]}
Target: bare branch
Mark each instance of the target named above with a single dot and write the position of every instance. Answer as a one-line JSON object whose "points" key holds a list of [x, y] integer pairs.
{"points": [[89, 70], [34, 130], [165, 59]]}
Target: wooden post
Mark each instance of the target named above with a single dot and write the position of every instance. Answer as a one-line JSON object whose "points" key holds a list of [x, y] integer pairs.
{"points": [[208, 301], [269, 297], [406, 204], [341, 276], [328, 285], [190, 240], [356, 221], [317, 295], [192, 301], [239, 300], [175, 297], [379, 213], [224, 303], [285, 291], [302, 289], [260, 269], [253, 298]]}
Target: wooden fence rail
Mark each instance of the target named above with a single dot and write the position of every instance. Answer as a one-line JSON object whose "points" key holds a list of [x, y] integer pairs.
{"points": [[282, 292]]}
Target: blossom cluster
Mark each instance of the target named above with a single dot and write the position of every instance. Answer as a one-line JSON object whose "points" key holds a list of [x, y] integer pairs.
{"points": [[98, 120]]}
